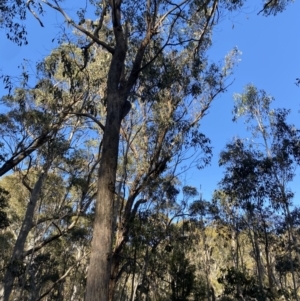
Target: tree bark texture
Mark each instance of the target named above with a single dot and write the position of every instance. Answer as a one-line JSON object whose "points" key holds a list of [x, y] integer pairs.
{"points": [[98, 277], [99, 267]]}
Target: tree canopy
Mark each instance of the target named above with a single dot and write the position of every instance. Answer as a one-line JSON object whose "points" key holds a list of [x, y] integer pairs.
{"points": [[91, 151]]}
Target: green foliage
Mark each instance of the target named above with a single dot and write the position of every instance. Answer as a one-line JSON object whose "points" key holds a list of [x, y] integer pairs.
{"points": [[12, 16], [4, 221], [285, 264], [182, 275], [239, 284], [163, 248]]}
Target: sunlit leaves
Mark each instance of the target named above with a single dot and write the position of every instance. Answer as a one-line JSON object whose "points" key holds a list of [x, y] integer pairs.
{"points": [[4, 221], [252, 104]]}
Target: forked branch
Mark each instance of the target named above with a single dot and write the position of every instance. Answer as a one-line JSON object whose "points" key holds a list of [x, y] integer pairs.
{"points": [[79, 27]]}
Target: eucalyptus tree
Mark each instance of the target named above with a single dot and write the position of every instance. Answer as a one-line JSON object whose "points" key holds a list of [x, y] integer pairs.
{"points": [[135, 36], [58, 198], [259, 172], [59, 191], [65, 163], [280, 142], [3, 205], [140, 39], [156, 133], [56, 247], [247, 185], [151, 239], [250, 189], [14, 13], [157, 137], [158, 260]]}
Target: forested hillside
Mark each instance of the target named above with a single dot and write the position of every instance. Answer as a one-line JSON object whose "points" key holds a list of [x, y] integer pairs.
{"points": [[94, 140]]}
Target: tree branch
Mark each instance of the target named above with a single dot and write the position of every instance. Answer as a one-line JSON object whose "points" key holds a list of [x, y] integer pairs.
{"points": [[208, 19], [17, 158], [80, 28], [57, 281], [48, 240], [91, 117], [162, 18], [33, 13]]}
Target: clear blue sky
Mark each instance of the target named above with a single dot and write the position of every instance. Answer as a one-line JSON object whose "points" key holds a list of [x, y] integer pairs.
{"points": [[270, 60]]}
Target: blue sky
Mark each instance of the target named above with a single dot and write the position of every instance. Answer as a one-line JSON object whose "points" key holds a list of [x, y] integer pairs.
{"points": [[270, 60]]}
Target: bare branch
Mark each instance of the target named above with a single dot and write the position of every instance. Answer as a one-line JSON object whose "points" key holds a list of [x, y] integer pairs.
{"points": [[33, 13], [91, 117], [80, 28], [53, 223], [136, 207], [17, 158], [162, 18], [49, 239], [35, 144], [57, 281], [136, 68], [96, 34], [209, 20], [132, 147]]}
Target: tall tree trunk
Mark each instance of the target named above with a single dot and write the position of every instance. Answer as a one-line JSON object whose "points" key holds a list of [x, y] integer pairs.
{"points": [[99, 267], [99, 272], [115, 264], [256, 252], [260, 271], [17, 255], [118, 89], [292, 242], [236, 248], [267, 252]]}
